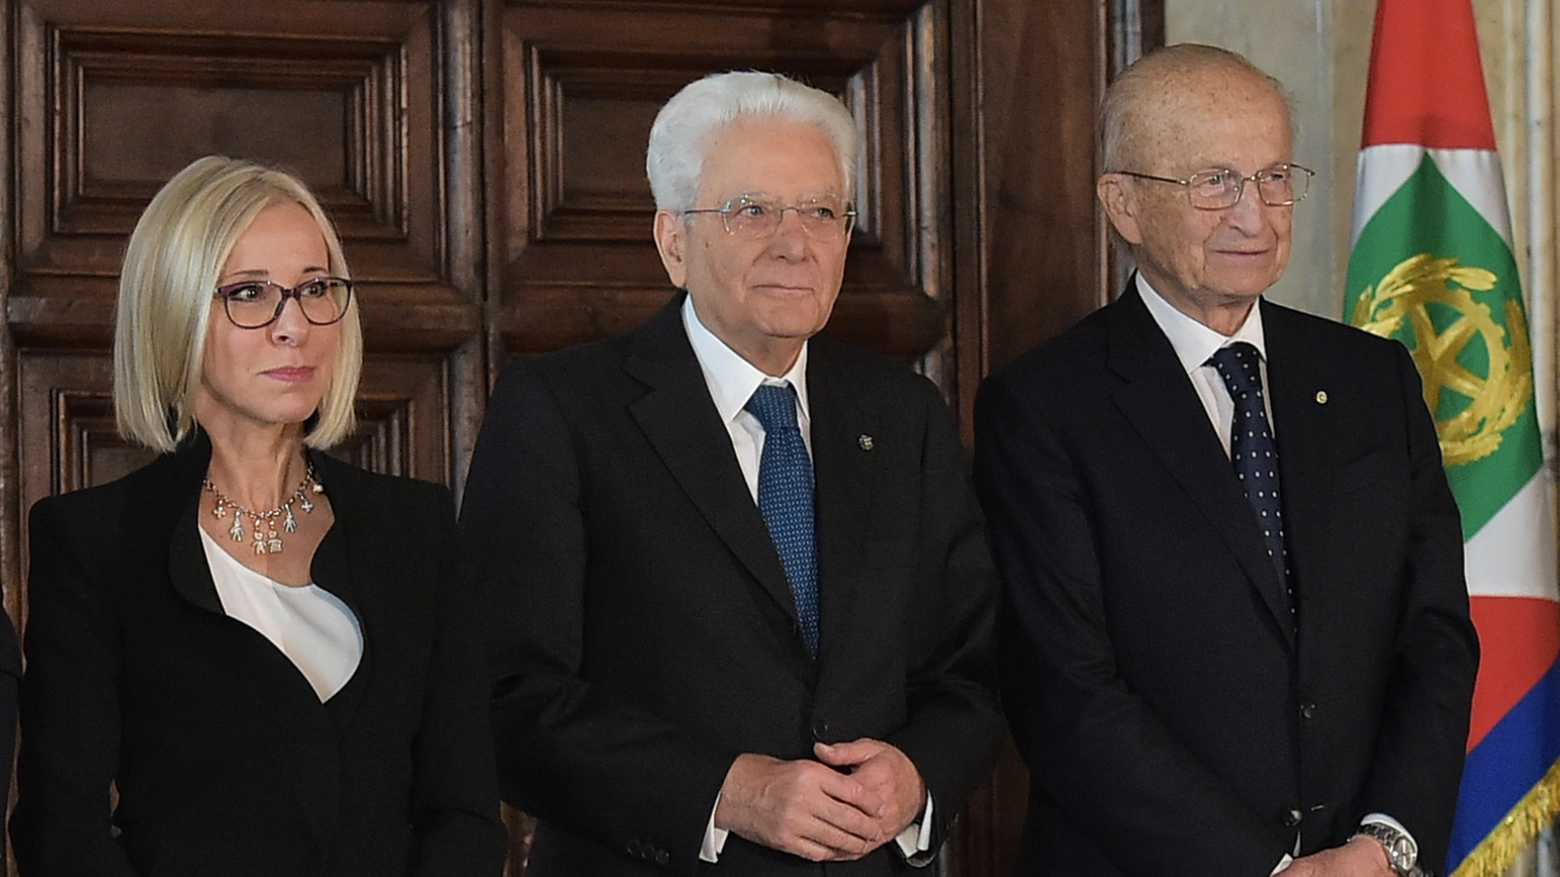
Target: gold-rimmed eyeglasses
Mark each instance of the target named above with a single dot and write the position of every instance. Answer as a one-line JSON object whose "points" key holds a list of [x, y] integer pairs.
{"points": [[255, 304], [824, 217], [1218, 188]]}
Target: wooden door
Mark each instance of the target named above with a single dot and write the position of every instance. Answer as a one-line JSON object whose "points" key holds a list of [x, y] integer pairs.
{"points": [[484, 161]]}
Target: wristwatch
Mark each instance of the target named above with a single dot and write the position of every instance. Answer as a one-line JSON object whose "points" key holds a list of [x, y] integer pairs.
{"points": [[1402, 852]]}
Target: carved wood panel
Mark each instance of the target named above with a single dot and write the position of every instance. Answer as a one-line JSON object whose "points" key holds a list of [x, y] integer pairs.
{"points": [[113, 98], [579, 86], [1039, 75], [484, 161]]}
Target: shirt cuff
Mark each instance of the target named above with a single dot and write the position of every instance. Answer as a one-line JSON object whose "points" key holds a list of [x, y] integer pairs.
{"points": [[1388, 821], [1283, 864], [714, 838], [917, 837]]}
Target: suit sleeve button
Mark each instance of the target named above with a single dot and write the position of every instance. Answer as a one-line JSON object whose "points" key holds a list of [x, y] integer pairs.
{"points": [[1292, 818], [633, 848], [661, 857]]}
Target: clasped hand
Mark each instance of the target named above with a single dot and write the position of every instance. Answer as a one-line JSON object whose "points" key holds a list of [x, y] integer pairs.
{"points": [[856, 797], [1360, 857]]}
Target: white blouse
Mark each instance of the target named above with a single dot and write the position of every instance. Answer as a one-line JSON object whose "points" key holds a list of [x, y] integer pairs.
{"points": [[310, 625]]}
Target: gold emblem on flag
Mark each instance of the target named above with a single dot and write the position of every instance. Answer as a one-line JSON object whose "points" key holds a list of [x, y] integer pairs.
{"points": [[1495, 399]]}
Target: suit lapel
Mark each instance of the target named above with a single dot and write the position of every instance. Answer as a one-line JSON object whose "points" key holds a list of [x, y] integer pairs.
{"points": [[1302, 428], [339, 561], [167, 521], [680, 420], [843, 472], [1164, 408]]}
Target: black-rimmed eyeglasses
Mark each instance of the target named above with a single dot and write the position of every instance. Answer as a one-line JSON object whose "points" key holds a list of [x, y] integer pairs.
{"points": [[255, 304], [1218, 188]]}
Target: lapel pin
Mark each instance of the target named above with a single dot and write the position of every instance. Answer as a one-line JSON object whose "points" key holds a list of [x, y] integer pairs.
{"points": [[1321, 397], [865, 441]]}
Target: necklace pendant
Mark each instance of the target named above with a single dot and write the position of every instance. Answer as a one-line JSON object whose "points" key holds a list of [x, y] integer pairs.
{"points": [[266, 539]]}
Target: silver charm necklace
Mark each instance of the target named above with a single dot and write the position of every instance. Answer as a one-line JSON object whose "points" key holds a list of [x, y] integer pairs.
{"points": [[267, 539]]}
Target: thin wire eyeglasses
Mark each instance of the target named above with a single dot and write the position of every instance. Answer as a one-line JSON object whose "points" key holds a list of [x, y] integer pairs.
{"points": [[1281, 185], [255, 304], [824, 218]]}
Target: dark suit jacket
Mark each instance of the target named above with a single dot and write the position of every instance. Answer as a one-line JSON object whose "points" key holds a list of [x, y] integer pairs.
{"points": [[1172, 719], [10, 679], [642, 630], [224, 758]]}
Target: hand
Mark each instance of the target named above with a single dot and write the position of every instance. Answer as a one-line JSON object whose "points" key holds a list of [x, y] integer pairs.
{"points": [[800, 807], [1361, 857], [884, 771]]}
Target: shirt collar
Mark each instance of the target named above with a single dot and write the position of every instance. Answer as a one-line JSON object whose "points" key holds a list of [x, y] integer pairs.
{"points": [[1194, 343], [733, 380]]}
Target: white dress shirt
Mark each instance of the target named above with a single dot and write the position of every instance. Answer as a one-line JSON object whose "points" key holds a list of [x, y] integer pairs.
{"points": [[1194, 344], [732, 381], [310, 625]]}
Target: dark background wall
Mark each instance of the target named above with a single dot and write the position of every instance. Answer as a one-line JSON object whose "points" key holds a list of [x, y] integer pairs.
{"points": [[484, 161]]}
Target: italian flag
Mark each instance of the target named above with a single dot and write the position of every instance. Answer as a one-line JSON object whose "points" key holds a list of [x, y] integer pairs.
{"points": [[1432, 265]]}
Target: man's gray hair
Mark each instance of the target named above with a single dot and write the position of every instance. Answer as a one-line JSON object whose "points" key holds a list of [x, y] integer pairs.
{"points": [[683, 130], [1147, 81]]}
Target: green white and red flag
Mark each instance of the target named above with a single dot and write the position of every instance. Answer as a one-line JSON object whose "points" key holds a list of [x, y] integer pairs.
{"points": [[1432, 265]]}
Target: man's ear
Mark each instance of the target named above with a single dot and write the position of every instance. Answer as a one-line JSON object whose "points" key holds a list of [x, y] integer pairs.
{"points": [[1121, 206], [671, 236]]}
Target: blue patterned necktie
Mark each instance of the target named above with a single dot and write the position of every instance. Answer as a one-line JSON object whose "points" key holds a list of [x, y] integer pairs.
{"points": [[785, 499], [1253, 452]]}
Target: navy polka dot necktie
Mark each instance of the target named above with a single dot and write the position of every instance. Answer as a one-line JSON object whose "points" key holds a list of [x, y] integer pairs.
{"points": [[1253, 452], [785, 499]]}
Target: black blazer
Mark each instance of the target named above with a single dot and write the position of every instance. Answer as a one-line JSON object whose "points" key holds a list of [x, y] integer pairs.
{"points": [[224, 758], [642, 631], [1172, 719], [10, 679]]}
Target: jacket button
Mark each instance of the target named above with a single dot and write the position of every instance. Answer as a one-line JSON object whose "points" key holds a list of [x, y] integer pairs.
{"points": [[1308, 710], [633, 848], [661, 858], [820, 731], [1292, 818]]}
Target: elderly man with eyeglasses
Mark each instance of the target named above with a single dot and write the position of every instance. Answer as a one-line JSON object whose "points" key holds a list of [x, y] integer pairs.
{"points": [[742, 605], [1235, 634]]}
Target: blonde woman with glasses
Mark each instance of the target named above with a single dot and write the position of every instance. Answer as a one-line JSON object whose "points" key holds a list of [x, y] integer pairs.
{"points": [[261, 649]]}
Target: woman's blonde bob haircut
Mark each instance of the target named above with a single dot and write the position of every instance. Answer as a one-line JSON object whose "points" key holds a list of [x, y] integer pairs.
{"points": [[167, 287]]}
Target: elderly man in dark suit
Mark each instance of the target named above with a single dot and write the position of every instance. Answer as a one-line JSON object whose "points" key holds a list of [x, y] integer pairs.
{"points": [[1236, 635], [742, 603]]}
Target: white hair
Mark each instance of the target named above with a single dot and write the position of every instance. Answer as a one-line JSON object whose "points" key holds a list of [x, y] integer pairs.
{"points": [[684, 129]]}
